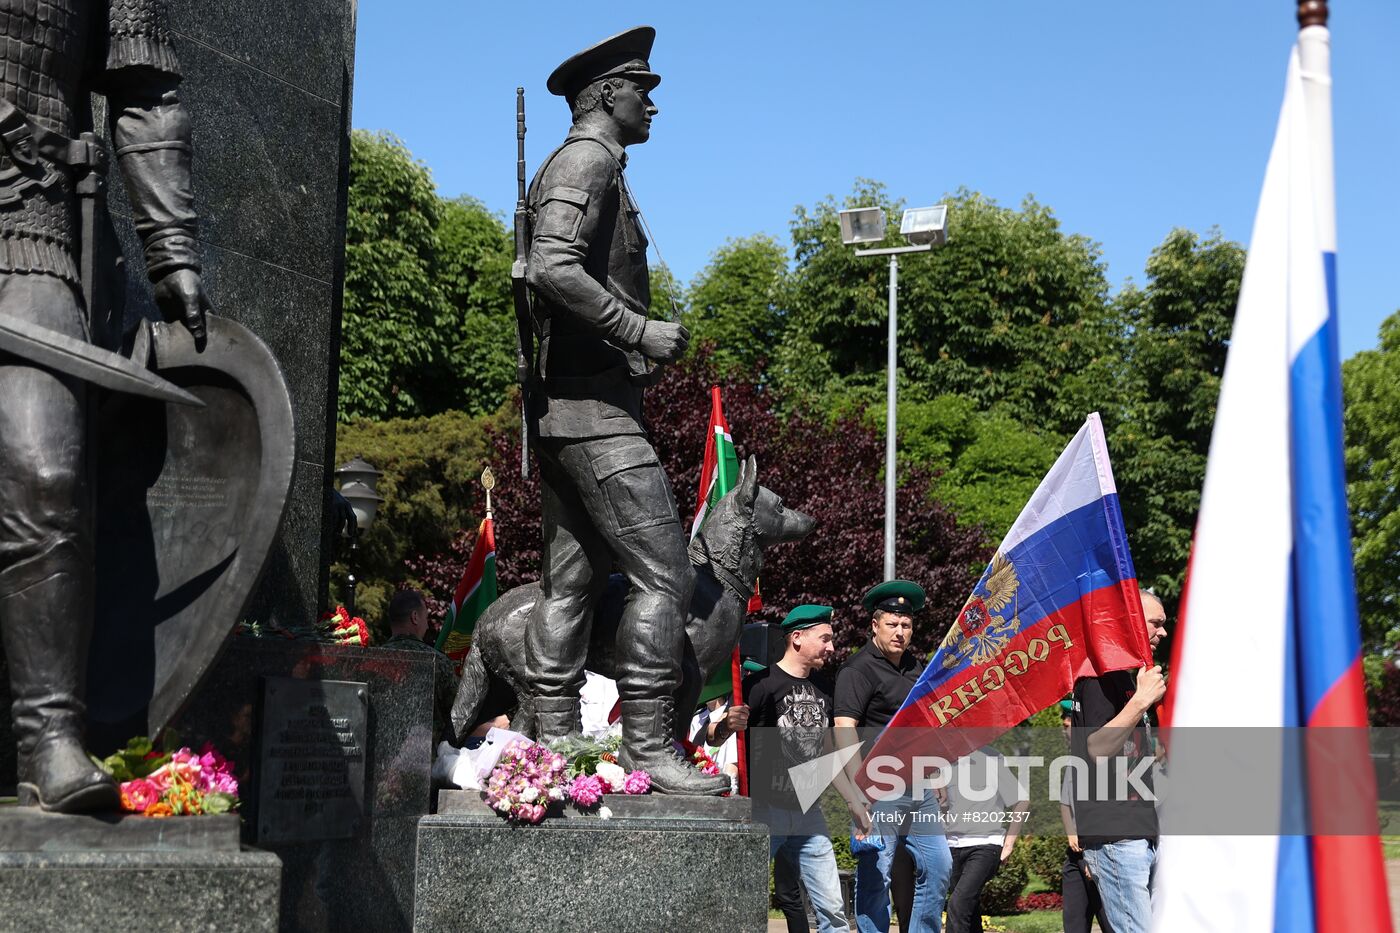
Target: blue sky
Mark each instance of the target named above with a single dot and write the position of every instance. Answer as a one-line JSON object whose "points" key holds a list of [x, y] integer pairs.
{"points": [[1127, 118]]}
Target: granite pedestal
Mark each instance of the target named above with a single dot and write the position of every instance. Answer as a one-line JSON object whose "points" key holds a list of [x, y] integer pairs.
{"points": [[364, 880], [478, 872], [131, 872]]}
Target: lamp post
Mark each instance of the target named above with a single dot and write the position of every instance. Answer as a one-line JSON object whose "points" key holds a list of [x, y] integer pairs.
{"points": [[358, 484], [924, 228]]}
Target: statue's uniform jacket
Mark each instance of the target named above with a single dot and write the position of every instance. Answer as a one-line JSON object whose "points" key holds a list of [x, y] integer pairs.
{"points": [[605, 499], [588, 269], [52, 54]]}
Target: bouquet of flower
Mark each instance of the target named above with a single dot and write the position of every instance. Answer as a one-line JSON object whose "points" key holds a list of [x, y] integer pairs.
{"points": [[594, 770], [527, 777], [172, 783], [340, 629]]}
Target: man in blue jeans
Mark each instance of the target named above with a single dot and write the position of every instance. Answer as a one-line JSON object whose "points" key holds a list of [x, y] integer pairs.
{"points": [[1114, 719], [789, 718], [870, 689]]}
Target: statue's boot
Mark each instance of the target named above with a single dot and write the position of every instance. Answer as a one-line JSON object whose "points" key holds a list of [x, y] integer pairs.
{"points": [[647, 728], [46, 626], [556, 717]]}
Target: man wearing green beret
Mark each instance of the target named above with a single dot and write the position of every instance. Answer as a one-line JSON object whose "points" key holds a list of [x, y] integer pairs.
{"points": [[790, 714], [872, 686]]}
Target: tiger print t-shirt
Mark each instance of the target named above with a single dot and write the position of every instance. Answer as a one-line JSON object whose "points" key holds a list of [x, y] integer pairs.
{"points": [[789, 719]]}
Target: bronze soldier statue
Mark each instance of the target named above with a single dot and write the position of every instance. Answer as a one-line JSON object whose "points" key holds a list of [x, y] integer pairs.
{"points": [[55, 52], [605, 498]]}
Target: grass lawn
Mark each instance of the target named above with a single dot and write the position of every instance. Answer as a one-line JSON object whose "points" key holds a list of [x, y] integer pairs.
{"points": [[1035, 921]]}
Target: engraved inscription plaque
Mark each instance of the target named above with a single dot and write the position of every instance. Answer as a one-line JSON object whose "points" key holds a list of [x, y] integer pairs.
{"points": [[312, 774]]}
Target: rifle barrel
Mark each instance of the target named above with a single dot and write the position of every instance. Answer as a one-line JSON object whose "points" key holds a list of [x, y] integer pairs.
{"points": [[520, 146]]}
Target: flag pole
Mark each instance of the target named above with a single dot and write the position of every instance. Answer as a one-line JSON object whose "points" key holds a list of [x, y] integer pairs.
{"points": [[740, 738], [488, 480], [1312, 13]]}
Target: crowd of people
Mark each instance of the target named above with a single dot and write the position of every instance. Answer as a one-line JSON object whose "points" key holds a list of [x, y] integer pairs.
{"points": [[922, 858], [927, 857]]}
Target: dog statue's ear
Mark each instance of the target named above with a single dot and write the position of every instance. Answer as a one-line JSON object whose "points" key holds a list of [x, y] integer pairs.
{"points": [[748, 481]]}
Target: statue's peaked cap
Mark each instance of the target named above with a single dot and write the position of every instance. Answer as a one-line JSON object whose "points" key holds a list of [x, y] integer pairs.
{"points": [[621, 56]]}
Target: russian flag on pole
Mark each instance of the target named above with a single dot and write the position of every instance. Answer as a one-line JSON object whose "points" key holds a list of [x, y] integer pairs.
{"points": [[1059, 601], [1271, 569]]}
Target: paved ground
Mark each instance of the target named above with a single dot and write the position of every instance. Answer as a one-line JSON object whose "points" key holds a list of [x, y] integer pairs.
{"points": [[1392, 870]]}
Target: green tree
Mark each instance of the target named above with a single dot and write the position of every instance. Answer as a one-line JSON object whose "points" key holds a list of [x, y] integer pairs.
{"points": [[392, 298], [476, 326], [988, 463], [1011, 311], [1371, 390], [431, 491], [736, 303], [1179, 325]]}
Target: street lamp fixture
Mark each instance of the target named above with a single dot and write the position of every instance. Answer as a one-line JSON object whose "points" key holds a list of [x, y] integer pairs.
{"points": [[359, 482], [924, 228], [862, 225]]}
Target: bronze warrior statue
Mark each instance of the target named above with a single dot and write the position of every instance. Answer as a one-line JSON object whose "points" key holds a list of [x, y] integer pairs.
{"points": [[55, 53], [606, 500]]}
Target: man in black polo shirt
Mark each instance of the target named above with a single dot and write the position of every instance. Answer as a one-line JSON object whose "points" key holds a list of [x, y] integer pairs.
{"points": [[870, 689], [1114, 718]]}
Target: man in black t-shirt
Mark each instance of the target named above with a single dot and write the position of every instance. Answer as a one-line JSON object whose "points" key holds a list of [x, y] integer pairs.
{"points": [[789, 718], [1114, 719], [872, 686]]}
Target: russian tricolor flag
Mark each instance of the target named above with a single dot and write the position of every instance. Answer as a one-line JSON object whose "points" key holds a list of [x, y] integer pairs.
{"points": [[1059, 601], [1269, 635]]}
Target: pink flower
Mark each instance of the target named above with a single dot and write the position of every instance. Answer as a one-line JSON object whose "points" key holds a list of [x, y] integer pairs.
{"points": [[139, 794], [585, 790], [638, 782]]}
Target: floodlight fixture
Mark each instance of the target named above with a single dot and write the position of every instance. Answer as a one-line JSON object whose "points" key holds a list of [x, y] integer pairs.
{"points": [[925, 225], [862, 225]]}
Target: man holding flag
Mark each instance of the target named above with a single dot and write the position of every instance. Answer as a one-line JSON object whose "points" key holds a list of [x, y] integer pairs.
{"points": [[1113, 719]]}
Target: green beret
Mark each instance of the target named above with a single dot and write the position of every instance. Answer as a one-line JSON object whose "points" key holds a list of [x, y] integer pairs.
{"points": [[895, 596], [806, 616], [753, 667]]}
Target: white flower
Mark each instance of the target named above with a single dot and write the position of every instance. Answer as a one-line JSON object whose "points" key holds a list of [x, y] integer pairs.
{"points": [[612, 775], [556, 793], [604, 813], [503, 805], [529, 794]]}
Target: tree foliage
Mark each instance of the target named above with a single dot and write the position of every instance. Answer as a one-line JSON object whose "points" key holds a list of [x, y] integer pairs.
{"points": [[1011, 311], [430, 488], [392, 298], [1178, 335], [831, 471], [476, 328], [427, 322], [736, 303], [987, 464], [1371, 390]]}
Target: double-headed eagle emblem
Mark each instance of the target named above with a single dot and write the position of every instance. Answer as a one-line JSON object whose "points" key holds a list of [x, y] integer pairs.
{"points": [[981, 630]]}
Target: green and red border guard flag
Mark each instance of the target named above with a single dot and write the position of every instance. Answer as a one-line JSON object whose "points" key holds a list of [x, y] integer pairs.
{"points": [[475, 591], [719, 471], [718, 474]]}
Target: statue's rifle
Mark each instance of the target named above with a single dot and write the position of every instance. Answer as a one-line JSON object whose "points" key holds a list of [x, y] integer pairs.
{"points": [[520, 292]]}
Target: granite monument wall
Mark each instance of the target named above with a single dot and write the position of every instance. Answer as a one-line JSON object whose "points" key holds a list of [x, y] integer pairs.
{"points": [[268, 87]]}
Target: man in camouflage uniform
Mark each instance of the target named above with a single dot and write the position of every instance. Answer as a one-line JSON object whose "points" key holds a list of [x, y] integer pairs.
{"points": [[55, 52], [604, 496]]}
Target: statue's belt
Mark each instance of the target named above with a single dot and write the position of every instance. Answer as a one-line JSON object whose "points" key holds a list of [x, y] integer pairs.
{"points": [[34, 149]]}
